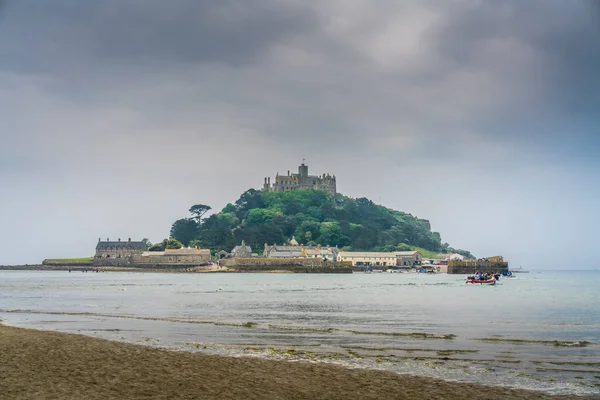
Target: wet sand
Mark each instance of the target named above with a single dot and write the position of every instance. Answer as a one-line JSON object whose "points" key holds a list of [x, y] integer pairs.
{"points": [[50, 365]]}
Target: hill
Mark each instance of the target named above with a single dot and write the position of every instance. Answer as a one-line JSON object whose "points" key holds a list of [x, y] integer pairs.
{"points": [[312, 217]]}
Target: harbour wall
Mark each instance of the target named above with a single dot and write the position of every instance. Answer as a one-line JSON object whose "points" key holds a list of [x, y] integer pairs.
{"points": [[472, 266], [298, 265], [67, 263]]}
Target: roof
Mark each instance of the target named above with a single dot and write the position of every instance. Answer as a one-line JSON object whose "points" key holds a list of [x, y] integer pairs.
{"points": [[238, 247], [455, 256], [286, 254], [186, 251], [321, 251], [286, 248], [176, 252], [153, 253], [406, 253], [366, 254], [121, 244]]}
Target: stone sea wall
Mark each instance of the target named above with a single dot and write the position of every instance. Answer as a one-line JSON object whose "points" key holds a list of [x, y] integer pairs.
{"points": [[299, 265], [472, 266], [67, 263]]}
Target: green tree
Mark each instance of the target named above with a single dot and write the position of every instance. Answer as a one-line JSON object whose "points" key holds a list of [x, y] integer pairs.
{"points": [[184, 230], [312, 216], [198, 211], [147, 243], [158, 246], [195, 243], [173, 244]]}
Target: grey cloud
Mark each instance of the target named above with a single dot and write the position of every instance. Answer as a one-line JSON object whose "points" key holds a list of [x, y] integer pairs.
{"points": [[162, 104], [131, 33]]}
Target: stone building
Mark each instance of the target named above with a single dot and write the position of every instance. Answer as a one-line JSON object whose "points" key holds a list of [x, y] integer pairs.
{"points": [[276, 251], [325, 253], [368, 258], [131, 253], [298, 251], [301, 180], [408, 258], [242, 251], [173, 257], [117, 252]]}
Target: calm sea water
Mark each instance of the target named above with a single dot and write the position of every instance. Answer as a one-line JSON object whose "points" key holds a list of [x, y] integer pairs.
{"points": [[539, 331]]}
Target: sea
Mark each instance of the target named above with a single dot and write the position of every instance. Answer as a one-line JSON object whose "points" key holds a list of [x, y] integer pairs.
{"points": [[539, 330]]}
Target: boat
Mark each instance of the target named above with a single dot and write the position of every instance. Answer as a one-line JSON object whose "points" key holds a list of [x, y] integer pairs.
{"points": [[507, 274], [491, 281]]}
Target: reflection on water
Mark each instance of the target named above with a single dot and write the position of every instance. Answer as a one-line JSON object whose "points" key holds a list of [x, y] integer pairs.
{"points": [[541, 330]]}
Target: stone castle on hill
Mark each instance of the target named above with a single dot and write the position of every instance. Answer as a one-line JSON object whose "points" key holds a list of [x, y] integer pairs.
{"points": [[301, 180]]}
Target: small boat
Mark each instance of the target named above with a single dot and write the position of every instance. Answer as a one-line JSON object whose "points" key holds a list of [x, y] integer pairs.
{"points": [[491, 281]]}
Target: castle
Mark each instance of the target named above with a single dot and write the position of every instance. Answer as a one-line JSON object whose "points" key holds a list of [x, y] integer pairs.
{"points": [[301, 180]]}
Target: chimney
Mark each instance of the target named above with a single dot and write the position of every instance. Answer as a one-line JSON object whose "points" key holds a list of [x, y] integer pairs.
{"points": [[99, 239], [107, 239], [129, 240], [288, 172], [119, 239]]}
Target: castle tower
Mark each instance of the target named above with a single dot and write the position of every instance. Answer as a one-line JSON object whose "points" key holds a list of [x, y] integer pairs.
{"points": [[303, 170]]}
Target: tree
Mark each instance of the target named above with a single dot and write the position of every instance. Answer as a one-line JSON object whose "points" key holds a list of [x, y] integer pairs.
{"points": [[147, 243], [158, 246], [184, 230], [249, 200], [166, 244], [198, 210], [173, 244], [312, 216]]}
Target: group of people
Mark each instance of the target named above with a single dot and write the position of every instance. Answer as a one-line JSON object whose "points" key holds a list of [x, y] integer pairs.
{"points": [[479, 276]]}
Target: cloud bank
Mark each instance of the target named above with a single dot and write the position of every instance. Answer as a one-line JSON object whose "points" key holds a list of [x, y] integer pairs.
{"points": [[480, 116]]}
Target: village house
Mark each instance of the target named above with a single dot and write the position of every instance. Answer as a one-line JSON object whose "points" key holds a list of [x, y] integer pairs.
{"points": [[294, 250], [408, 258], [241, 251], [117, 252], [286, 251], [368, 258], [325, 253]]}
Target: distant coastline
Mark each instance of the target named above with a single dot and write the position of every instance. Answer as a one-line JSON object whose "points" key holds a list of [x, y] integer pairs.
{"points": [[89, 268]]}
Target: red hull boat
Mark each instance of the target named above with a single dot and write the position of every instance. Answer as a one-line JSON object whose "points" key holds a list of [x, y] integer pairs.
{"points": [[491, 281]]}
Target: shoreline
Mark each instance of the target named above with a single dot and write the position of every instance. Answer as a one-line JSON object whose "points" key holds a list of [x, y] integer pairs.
{"points": [[47, 364], [167, 269]]}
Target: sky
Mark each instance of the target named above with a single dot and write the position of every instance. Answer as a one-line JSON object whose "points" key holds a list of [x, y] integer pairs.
{"points": [[481, 116]]}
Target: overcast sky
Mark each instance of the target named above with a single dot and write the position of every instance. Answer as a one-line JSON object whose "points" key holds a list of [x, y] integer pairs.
{"points": [[481, 116]]}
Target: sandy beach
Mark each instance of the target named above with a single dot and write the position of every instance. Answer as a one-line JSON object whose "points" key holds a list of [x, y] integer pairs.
{"points": [[51, 365]]}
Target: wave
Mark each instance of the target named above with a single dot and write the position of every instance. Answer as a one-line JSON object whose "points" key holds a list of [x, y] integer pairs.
{"points": [[414, 335], [556, 343], [417, 335], [135, 317]]}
